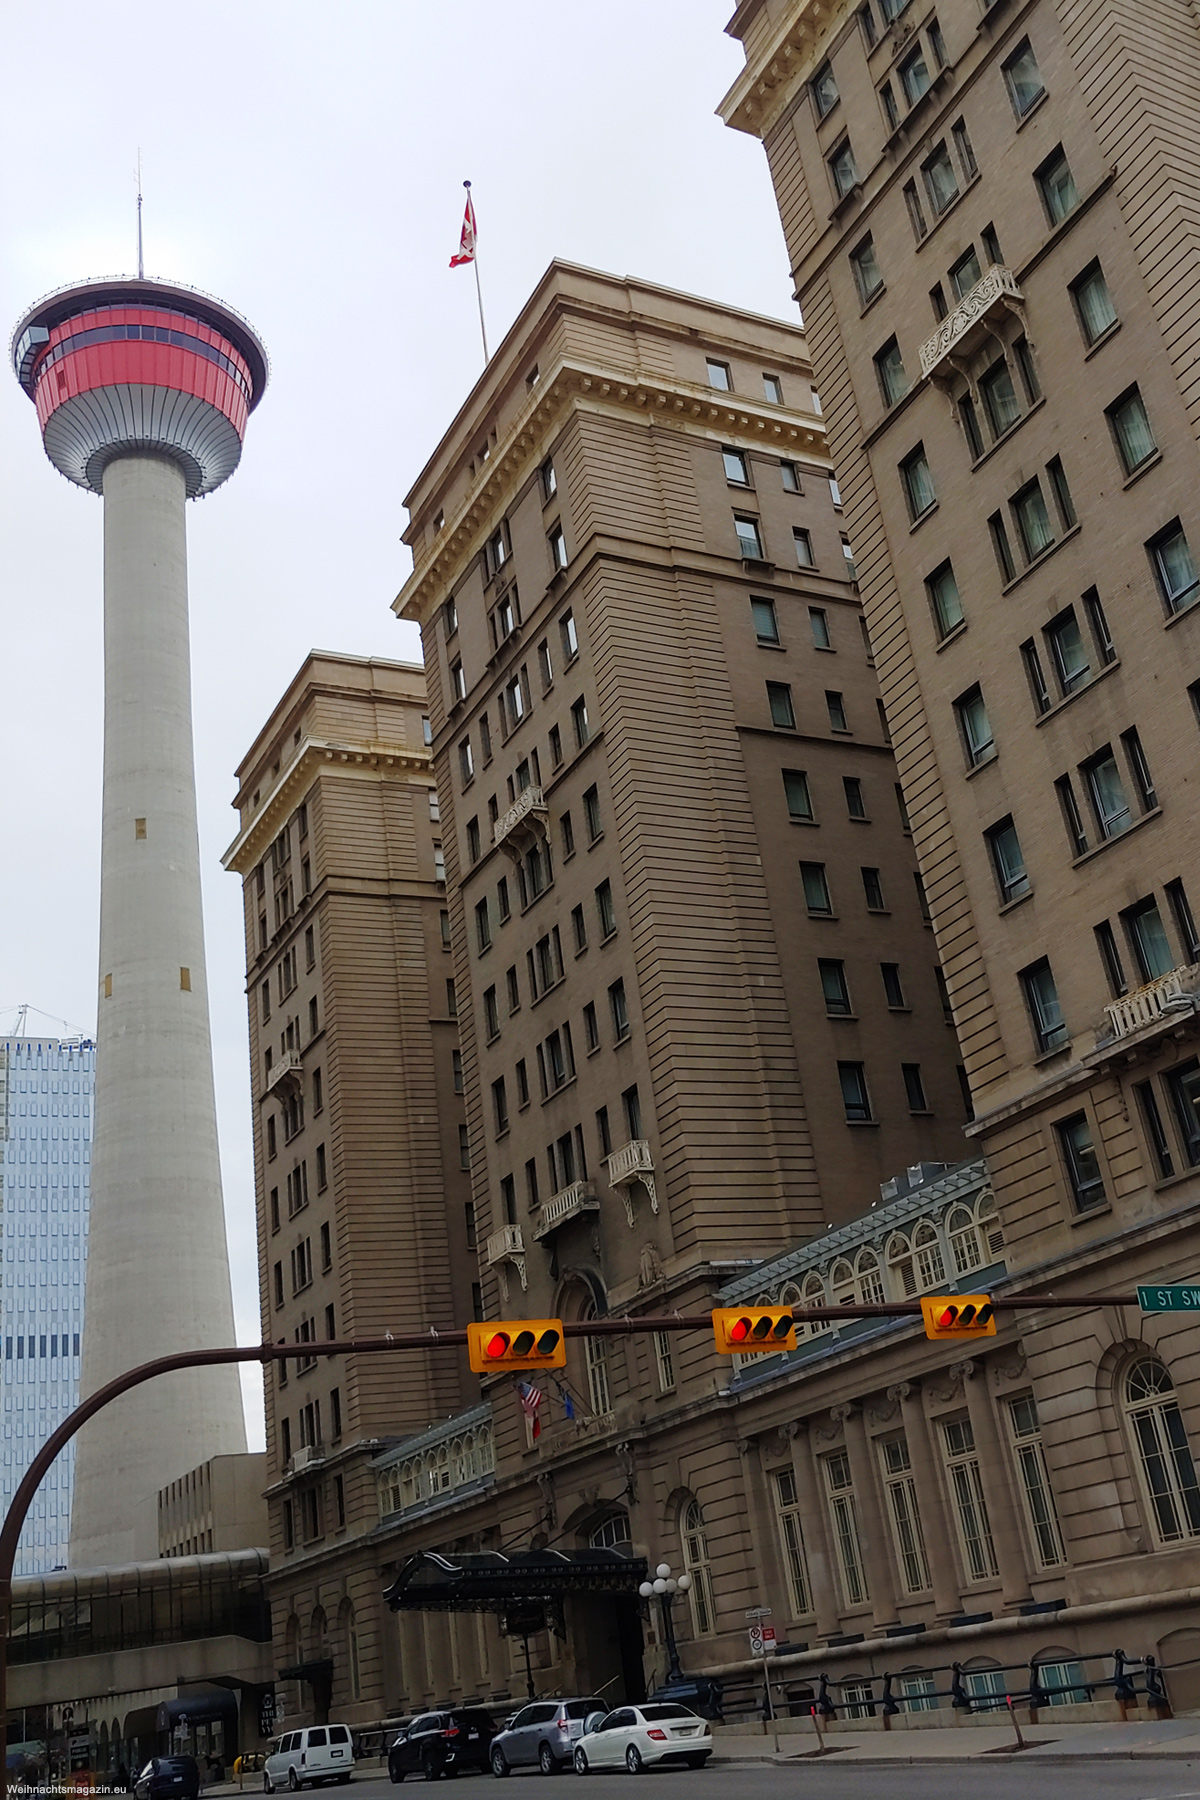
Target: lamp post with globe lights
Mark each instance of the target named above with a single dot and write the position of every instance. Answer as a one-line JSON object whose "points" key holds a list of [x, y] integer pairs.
{"points": [[666, 1586]]}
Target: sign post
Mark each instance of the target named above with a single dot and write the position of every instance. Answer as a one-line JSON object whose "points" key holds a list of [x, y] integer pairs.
{"points": [[763, 1643]]}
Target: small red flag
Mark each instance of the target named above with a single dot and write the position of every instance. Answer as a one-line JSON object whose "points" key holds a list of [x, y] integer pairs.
{"points": [[466, 243]]}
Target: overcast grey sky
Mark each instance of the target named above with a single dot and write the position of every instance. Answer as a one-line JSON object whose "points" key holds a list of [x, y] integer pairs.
{"points": [[304, 162]]}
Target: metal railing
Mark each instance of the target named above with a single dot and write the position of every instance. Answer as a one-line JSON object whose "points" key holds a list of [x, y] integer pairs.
{"points": [[1172, 994], [508, 1241], [568, 1203], [530, 800]]}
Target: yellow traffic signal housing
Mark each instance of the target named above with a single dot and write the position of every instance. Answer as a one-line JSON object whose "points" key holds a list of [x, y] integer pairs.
{"points": [[958, 1315], [508, 1344], [745, 1330]]}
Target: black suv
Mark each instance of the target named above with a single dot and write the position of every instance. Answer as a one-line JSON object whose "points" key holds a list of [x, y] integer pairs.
{"points": [[165, 1776], [443, 1743]]}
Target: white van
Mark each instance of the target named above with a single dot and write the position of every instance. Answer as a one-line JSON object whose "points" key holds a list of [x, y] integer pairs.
{"points": [[319, 1753]]}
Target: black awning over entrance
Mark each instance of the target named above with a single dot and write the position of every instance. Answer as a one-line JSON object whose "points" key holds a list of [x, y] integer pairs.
{"points": [[491, 1582]]}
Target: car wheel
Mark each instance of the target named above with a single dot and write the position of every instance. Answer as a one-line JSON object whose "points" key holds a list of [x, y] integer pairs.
{"points": [[293, 1781], [268, 1784], [395, 1773], [547, 1761], [500, 1767], [697, 1762], [581, 1761], [633, 1760], [429, 1768]]}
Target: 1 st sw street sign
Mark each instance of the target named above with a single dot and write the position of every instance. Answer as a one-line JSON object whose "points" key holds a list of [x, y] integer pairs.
{"points": [[1169, 1299]]}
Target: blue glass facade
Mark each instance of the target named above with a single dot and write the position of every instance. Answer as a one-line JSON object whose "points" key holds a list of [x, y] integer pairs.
{"points": [[46, 1097]]}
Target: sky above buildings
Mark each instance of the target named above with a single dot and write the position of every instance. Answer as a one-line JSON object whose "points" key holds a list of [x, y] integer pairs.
{"points": [[305, 164]]}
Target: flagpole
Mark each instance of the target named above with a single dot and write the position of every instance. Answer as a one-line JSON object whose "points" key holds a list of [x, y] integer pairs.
{"points": [[478, 285]]}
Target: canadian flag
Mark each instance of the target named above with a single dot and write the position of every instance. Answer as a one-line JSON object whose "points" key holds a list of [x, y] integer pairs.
{"points": [[466, 243]]}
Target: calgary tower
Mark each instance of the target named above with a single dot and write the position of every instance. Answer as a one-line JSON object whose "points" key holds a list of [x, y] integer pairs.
{"points": [[142, 391]]}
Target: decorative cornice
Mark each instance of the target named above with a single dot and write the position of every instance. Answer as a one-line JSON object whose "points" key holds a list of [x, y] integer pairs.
{"points": [[296, 777], [772, 75], [668, 401]]}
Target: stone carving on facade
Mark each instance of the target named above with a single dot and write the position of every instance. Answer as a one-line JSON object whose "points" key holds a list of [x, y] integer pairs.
{"points": [[884, 1407], [649, 1266], [965, 1370], [545, 1482], [949, 1386], [833, 1427], [627, 1463], [900, 1391], [1013, 1368]]}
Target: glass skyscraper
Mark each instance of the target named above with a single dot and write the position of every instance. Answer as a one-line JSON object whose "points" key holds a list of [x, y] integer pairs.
{"points": [[46, 1088]]}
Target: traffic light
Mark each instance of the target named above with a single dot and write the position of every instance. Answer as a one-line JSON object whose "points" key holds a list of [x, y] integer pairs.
{"points": [[517, 1344], [958, 1315], [741, 1331]]}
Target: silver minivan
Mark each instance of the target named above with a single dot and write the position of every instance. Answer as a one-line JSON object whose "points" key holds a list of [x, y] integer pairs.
{"points": [[319, 1753]]}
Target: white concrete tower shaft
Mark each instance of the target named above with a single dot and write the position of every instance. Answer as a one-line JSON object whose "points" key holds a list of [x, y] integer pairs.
{"points": [[158, 1267], [143, 390]]}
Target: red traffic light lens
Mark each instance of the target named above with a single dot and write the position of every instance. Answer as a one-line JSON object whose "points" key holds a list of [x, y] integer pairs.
{"points": [[739, 1331], [547, 1343], [496, 1346], [946, 1319]]}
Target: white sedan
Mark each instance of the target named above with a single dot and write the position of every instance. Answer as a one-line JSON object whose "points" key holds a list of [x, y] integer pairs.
{"points": [[643, 1737]]}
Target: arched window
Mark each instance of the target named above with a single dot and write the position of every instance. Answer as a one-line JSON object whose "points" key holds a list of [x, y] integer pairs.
{"points": [[814, 1295], [610, 1533], [990, 1226], [1168, 1474], [964, 1241], [841, 1281], [900, 1263], [596, 1356], [870, 1280], [350, 1639], [789, 1295], [695, 1561], [318, 1634], [931, 1270]]}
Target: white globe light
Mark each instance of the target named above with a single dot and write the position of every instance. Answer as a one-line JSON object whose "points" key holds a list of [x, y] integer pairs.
{"points": [[660, 1586], [646, 1589], [684, 1583], [672, 1584], [663, 1570]]}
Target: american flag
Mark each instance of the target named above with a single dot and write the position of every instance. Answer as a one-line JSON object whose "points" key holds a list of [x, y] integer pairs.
{"points": [[531, 1405]]}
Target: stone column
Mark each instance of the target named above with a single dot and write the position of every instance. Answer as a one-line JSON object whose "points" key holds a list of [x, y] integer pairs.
{"points": [[818, 1550], [878, 1561], [1006, 1530], [936, 1528]]}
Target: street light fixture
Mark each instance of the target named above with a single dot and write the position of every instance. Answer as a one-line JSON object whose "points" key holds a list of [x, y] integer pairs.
{"points": [[665, 1586]]}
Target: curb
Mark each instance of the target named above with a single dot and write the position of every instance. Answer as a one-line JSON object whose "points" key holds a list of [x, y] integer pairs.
{"points": [[954, 1762]]}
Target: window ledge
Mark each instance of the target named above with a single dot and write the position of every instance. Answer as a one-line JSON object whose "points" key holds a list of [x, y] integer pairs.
{"points": [[766, 644], [813, 822], [1170, 1181], [1064, 225], [825, 649], [863, 1124], [851, 1018], [880, 291], [608, 938], [987, 762], [920, 105], [1110, 331], [952, 637], [858, 819], [560, 1089], [822, 918], [1061, 705], [1018, 900], [843, 205], [998, 443], [1104, 1210], [1043, 556], [943, 216], [1099, 849], [1144, 468], [1046, 1056], [1183, 613], [1036, 106]]}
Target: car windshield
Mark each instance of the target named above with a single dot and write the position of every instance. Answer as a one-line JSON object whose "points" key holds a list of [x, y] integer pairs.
{"points": [[666, 1712], [583, 1709], [174, 1765]]}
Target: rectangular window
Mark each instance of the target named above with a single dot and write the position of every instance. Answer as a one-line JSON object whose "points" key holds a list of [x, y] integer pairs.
{"points": [[965, 273], [766, 624], [1110, 956], [1008, 861], [522, 1074], [855, 804], [791, 1539], [1033, 520], [1155, 1130], [591, 815], [1035, 676], [1173, 565], [1000, 398], [579, 927], [1072, 817], [558, 548], [905, 821], [456, 1061], [483, 926], [905, 1517], [1041, 997], [580, 724], [464, 1148], [500, 1106], [566, 832], [632, 1108], [1002, 547], [803, 546], [1023, 78], [1139, 769], [789, 476], [834, 988], [1093, 303], [912, 201], [844, 1517], [837, 711], [867, 277], [799, 801], [843, 171], [945, 600], [855, 1098], [889, 370], [1185, 923], [569, 636], [322, 1169], [458, 681], [1106, 790], [779, 699], [1057, 187], [892, 987], [1101, 636], [966, 1486], [914, 75], [914, 1087], [605, 909], [620, 1010], [1148, 939], [873, 890], [818, 622], [1040, 1510], [749, 538], [719, 376], [1131, 431], [545, 665], [974, 727], [736, 467], [664, 1361], [326, 1249], [823, 89], [816, 889], [503, 905], [918, 483], [1081, 1163], [964, 149], [591, 1027], [1072, 664], [491, 1015], [473, 841], [773, 390], [941, 183], [1184, 1087]]}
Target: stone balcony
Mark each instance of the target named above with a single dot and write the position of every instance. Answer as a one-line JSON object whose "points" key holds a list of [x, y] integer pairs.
{"points": [[506, 1246], [1173, 996], [962, 331], [523, 825], [633, 1162], [570, 1203], [287, 1070]]}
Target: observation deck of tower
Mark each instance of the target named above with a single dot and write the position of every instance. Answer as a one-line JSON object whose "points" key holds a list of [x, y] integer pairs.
{"points": [[143, 389]]}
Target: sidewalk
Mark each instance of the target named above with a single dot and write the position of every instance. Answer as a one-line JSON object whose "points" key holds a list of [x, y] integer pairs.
{"points": [[1172, 1740]]}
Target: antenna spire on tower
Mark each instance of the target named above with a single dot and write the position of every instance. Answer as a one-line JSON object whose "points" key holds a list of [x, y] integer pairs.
{"points": [[141, 266]]}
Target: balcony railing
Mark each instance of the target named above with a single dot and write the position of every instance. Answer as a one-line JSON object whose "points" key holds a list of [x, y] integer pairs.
{"points": [[1173, 994], [505, 1244], [956, 336], [528, 809], [570, 1203], [306, 1457], [290, 1064], [633, 1162]]}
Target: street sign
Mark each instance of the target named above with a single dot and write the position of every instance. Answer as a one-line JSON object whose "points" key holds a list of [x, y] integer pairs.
{"points": [[758, 1612], [1169, 1299], [762, 1640]]}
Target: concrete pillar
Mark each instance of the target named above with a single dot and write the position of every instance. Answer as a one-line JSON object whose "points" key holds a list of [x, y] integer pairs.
{"points": [[879, 1567], [1006, 1531], [158, 1265], [936, 1528], [818, 1549]]}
